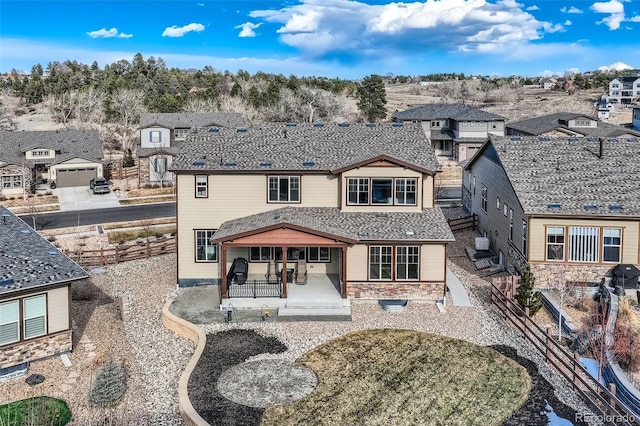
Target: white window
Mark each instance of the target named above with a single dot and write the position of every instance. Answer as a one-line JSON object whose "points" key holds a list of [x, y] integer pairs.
{"points": [[484, 198], [9, 322], [555, 243], [380, 263], [524, 237], [473, 186], [205, 250], [358, 191], [35, 314], [510, 225], [584, 244], [319, 254], [180, 134], [155, 136], [406, 191], [40, 153], [407, 262], [201, 186], [504, 209], [612, 244], [284, 189], [259, 254], [12, 181], [498, 203]]}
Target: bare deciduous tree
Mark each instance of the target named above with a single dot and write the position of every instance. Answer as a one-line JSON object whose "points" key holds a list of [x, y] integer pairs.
{"points": [[563, 289], [6, 116], [128, 105], [90, 106], [62, 106]]}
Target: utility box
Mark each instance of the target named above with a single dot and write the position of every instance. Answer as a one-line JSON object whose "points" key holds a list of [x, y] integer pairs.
{"points": [[482, 243]]}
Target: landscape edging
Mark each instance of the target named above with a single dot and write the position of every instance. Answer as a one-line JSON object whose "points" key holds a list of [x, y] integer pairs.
{"points": [[196, 335]]}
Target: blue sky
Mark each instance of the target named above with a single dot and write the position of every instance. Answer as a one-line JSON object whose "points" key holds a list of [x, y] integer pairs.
{"points": [[332, 38]]}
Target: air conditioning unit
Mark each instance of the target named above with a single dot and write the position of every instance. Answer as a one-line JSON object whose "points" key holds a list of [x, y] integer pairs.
{"points": [[482, 243]]}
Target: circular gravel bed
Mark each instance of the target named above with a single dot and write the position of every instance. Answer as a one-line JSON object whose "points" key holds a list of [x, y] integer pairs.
{"points": [[267, 382]]}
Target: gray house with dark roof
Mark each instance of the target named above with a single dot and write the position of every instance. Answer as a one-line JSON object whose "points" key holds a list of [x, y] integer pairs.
{"points": [[567, 206], [455, 131], [564, 124], [161, 135], [347, 211], [58, 157], [35, 296]]}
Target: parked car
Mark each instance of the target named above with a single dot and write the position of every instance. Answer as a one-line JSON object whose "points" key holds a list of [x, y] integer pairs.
{"points": [[99, 186]]}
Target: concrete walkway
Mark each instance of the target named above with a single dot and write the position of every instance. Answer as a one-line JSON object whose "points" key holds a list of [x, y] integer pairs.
{"points": [[456, 290], [83, 198]]}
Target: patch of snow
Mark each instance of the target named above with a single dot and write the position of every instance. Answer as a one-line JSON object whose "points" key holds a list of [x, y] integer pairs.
{"points": [[554, 419], [592, 368]]}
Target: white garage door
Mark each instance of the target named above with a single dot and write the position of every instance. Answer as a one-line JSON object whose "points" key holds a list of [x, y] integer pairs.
{"points": [[75, 177]]}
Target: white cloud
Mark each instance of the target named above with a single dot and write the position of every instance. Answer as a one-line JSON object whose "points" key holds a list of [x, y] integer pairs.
{"points": [[247, 29], [532, 8], [611, 6], [567, 23], [634, 19], [618, 66], [105, 33], [175, 31], [571, 9], [327, 27], [200, 4]]}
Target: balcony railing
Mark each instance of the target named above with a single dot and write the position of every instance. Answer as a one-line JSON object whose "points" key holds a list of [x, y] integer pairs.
{"points": [[253, 288]]}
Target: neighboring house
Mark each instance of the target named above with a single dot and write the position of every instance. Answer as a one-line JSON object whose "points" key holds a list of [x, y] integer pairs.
{"points": [[563, 205], [60, 158], [549, 83], [624, 90], [636, 118], [162, 134], [563, 124], [455, 131], [351, 205], [35, 294]]}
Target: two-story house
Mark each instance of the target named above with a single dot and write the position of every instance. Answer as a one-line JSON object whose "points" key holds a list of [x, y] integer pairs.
{"points": [[35, 295], [62, 158], [455, 131], [161, 135], [624, 90], [346, 207], [563, 205], [564, 124]]}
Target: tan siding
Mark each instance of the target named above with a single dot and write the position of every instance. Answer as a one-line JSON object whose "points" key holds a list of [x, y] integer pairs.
{"points": [[357, 262], [630, 236], [58, 304], [427, 191], [432, 262]]}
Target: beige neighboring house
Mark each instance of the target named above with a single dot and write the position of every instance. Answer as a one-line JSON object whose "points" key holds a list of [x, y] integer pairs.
{"points": [[566, 124], [347, 208], [563, 205], [35, 296], [58, 158], [455, 131], [161, 135]]}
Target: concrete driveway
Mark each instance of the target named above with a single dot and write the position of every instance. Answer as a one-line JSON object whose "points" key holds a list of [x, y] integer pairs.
{"points": [[82, 198]]}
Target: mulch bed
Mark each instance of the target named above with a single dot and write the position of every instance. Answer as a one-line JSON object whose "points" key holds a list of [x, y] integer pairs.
{"points": [[223, 351], [533, 411]]}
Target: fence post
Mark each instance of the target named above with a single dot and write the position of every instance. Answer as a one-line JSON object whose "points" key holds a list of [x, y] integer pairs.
{"points": [[612, 399], [547, 335], [117, 254], [576, 361], [102, 256], [148, 248], [526, 319]]}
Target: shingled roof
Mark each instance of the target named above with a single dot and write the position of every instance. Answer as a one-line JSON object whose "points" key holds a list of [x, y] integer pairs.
{"points": [[187, 120], [69, 143], [306, 147], [568, 172], [425, 226], [456, 112], [28, 260], [547, 123]]}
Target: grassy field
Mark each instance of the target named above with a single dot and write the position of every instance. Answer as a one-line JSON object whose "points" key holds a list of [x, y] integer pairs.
{"points": [[45, 411], [120, 237], [405, 377]]}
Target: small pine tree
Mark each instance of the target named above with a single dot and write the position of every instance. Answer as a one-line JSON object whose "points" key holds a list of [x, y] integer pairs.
{"points": [[128, 160], [527, 297], [109, 386]]}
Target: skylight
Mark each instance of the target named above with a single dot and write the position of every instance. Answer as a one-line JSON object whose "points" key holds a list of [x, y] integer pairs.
{"points": [[242, 130], [343, 124], [230, 164], [292, 124], [616, 207], [544, 138], [554, 206], [198, 163], [318, 124], [515, 138], [371, 124], [590, 207], [213, 130], [7, 282], [397, 124], [308, 163], [265, 164]]}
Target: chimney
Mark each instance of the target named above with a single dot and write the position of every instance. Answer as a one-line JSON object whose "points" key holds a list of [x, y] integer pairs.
{"points": [[601, 142], [284, 132]]}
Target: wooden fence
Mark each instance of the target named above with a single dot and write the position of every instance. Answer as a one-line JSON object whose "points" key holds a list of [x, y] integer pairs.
{"points": [[468, 222], [602, 399], [123, 252]]}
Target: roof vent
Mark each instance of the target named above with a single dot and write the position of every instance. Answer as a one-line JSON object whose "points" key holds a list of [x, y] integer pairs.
{"points": [[318, 124], [616, 207], [230, 164], [242, 130], [343, 124], [292, 124], [25, 231], [397, 124], [53, 252], [590, 207], [410, 233], [363, 234], [213, 130], [554, 206], [308, 163], [265, 164], [198, 163]]}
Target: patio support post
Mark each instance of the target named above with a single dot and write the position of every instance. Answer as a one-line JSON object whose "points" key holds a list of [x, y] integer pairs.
{"points": [[283, 274], [344, 272], [224, 291]]}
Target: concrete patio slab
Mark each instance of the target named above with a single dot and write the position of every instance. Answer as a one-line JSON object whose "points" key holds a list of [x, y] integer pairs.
{"points": [[458, 293]]}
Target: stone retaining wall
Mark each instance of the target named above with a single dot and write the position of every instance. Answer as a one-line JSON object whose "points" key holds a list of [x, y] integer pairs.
{"points": [[396, 290], [35, 349]]}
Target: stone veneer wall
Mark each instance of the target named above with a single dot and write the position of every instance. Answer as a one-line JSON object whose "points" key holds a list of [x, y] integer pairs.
{"points": [[515, 262], [546, 273], [143, 167], [396, 290], [35, 349]]}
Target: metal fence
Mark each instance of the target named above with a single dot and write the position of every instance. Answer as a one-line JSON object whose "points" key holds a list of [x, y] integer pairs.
{"points": [[255, 288]]}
